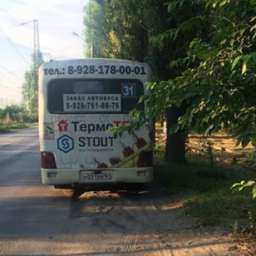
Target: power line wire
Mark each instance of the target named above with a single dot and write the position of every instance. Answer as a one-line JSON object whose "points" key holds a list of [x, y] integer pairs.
{"points": [[9, 71], [10, 87], [14, 46], [6, 78]]}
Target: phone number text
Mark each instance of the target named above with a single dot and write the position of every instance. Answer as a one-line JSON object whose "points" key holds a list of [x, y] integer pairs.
{"points": [[100, 70]]}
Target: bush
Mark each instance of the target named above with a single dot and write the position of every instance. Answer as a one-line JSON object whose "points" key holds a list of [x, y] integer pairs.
{"points": [[16, 113]]}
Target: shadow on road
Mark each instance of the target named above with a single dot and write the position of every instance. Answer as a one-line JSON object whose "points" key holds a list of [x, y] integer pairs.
{"points": [[33, 215], [105, 223]]}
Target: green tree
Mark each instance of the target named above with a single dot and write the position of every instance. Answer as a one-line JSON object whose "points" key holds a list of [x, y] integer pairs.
{"points": [[12, 112], [202, 53], [220, 71], [95, 36], [30, 89], [147, 31]]}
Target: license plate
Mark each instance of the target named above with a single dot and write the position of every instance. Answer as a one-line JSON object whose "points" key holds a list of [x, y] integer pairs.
{"points": [[103, 176]]}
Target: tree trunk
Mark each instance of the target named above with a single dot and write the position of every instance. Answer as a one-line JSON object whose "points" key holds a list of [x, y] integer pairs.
{"points": [[175, 144]]}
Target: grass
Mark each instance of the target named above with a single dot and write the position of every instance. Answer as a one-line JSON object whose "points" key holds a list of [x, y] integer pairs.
{"points": [[206, 192], [12, 126]]}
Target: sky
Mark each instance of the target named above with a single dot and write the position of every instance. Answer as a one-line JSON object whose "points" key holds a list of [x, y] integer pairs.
{"points": [[58, 19]]}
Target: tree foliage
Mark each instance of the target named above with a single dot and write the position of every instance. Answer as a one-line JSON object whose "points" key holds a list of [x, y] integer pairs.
{"points": [[143, 31], [202, 53], [95, 35], [30, 89], [244, 185], [218, 87], [13, 112]]}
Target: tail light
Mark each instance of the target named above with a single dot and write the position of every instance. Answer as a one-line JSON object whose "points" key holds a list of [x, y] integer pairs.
{"points": [[48, 160], [145, 159]]}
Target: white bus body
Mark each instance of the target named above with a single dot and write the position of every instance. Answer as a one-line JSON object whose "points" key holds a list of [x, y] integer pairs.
{"points": [[79, 102]]}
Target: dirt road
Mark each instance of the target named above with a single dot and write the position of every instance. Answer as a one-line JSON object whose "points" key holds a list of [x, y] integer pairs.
{"points": [[39, 220]]}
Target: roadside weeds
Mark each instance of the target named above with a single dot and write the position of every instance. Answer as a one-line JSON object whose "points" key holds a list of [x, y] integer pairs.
{"points": [[7, 127]]}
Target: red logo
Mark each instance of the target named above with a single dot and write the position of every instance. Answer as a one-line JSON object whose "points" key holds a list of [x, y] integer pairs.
{"points": [[63, 125]]}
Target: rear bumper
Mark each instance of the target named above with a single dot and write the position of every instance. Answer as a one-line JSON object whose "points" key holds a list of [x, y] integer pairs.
{"points": [[119, 175]]}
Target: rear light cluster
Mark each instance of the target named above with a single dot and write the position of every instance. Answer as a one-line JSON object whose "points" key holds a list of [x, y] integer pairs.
{"points": [[48, 160], [145, 159]]}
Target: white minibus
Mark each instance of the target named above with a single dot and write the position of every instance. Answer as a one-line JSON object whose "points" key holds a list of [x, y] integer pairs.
{"points": [[80, 101]]}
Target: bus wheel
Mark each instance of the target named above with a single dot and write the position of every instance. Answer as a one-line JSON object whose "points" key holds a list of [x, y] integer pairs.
{"points": [[77, 192]]}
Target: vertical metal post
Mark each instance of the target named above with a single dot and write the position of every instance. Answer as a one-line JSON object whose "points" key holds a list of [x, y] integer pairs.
{"points": [[36, 44], [38, 39], [36, 60], [34, 47]]}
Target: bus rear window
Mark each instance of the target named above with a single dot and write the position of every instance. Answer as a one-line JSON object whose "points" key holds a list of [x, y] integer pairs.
{"points": [[67, 96]]}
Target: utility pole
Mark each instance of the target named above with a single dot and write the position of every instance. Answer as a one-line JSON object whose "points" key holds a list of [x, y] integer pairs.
{"points": [[32, 101], [36, 43]]}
